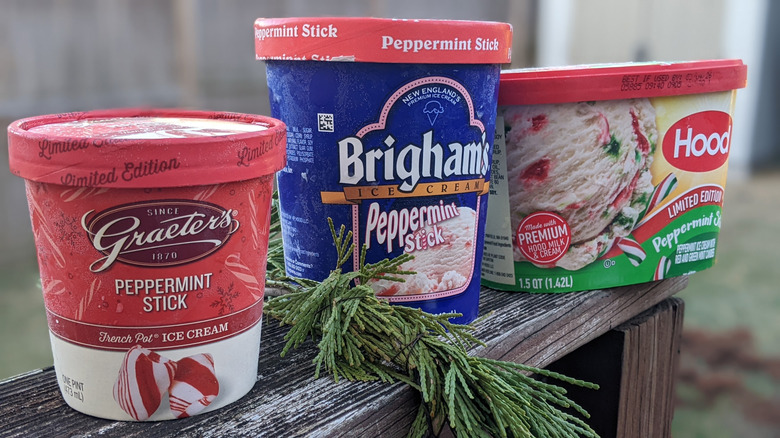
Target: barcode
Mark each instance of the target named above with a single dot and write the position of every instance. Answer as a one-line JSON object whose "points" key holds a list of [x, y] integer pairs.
{"points": [[324, 122]]}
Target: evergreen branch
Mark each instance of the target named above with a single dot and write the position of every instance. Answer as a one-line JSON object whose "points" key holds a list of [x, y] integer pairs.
{"points": [[275, 260], [360, 337]]}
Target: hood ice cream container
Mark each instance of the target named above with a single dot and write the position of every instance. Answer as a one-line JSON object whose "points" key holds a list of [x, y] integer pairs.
{"points": [[151, 228], [390, 131], [608, 175]]}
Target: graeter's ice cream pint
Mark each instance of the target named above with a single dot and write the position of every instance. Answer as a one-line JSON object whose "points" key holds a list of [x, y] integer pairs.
{"points": [[390, 133], [608, 175], [151, 229]]}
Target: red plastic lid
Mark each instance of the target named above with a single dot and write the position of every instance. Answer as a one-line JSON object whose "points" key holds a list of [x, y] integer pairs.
{"points": [[619, 81], [145, 148], [383, 40]]}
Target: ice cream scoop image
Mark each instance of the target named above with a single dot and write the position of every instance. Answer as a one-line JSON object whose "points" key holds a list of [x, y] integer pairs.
{"points": [[588, 162], [446, 265]]}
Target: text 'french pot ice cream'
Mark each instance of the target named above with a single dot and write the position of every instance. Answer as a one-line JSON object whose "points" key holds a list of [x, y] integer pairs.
{"points": [[390, 133], [151, 228], [607, 175]]}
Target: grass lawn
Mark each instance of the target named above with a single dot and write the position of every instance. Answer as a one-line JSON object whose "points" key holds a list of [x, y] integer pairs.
{"points": [[730, 384], [24, 336], [743, 289]]}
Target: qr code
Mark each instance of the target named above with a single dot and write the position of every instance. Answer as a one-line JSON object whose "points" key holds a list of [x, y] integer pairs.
{"points": [[324, 122]]}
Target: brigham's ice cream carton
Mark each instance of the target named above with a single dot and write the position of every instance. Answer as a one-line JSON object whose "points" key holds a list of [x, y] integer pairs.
{"points": [[608, 175], [390, 131]]}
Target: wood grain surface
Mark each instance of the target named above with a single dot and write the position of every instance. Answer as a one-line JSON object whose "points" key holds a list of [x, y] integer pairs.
{"points": [[287, 401]]}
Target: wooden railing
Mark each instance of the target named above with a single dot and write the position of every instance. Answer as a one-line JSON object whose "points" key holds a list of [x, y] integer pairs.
{"points": [[626, 339]]}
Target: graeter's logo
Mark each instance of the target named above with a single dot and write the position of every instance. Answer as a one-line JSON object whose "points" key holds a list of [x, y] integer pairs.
{"points": [[158, 233]]}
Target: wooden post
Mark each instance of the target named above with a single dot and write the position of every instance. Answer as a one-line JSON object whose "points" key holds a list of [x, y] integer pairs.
{"points": [[635, 364], [185, 46]]}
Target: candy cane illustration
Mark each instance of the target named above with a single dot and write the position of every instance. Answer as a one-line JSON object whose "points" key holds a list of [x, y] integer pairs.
{"points": [[660, 192], [632, 249], [244, 274], [207, 192], [662, 269], [72, 194]]}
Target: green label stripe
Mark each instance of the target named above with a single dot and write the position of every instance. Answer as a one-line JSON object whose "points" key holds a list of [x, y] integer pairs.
{"points": [[684, 246]]}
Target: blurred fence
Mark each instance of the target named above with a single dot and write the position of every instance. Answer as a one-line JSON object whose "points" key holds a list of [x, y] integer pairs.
{"points": [[74, 55]]}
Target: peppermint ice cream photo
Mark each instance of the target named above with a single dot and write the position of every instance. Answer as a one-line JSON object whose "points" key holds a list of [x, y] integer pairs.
{"points": [[587, 161], [443, 258], [608, 175]]}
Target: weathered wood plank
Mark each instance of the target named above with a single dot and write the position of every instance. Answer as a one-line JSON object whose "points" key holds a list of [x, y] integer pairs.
{"points": [[650, 358], [287, 401], [634, 366]]}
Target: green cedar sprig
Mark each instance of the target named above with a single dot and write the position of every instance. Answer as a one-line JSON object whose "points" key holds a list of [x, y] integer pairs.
{"points": [[275, 261], [364, 338]]}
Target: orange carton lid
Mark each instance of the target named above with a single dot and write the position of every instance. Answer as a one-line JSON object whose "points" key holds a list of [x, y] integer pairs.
{"points": [[145, 148], [619, 81], [383, 40]]}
